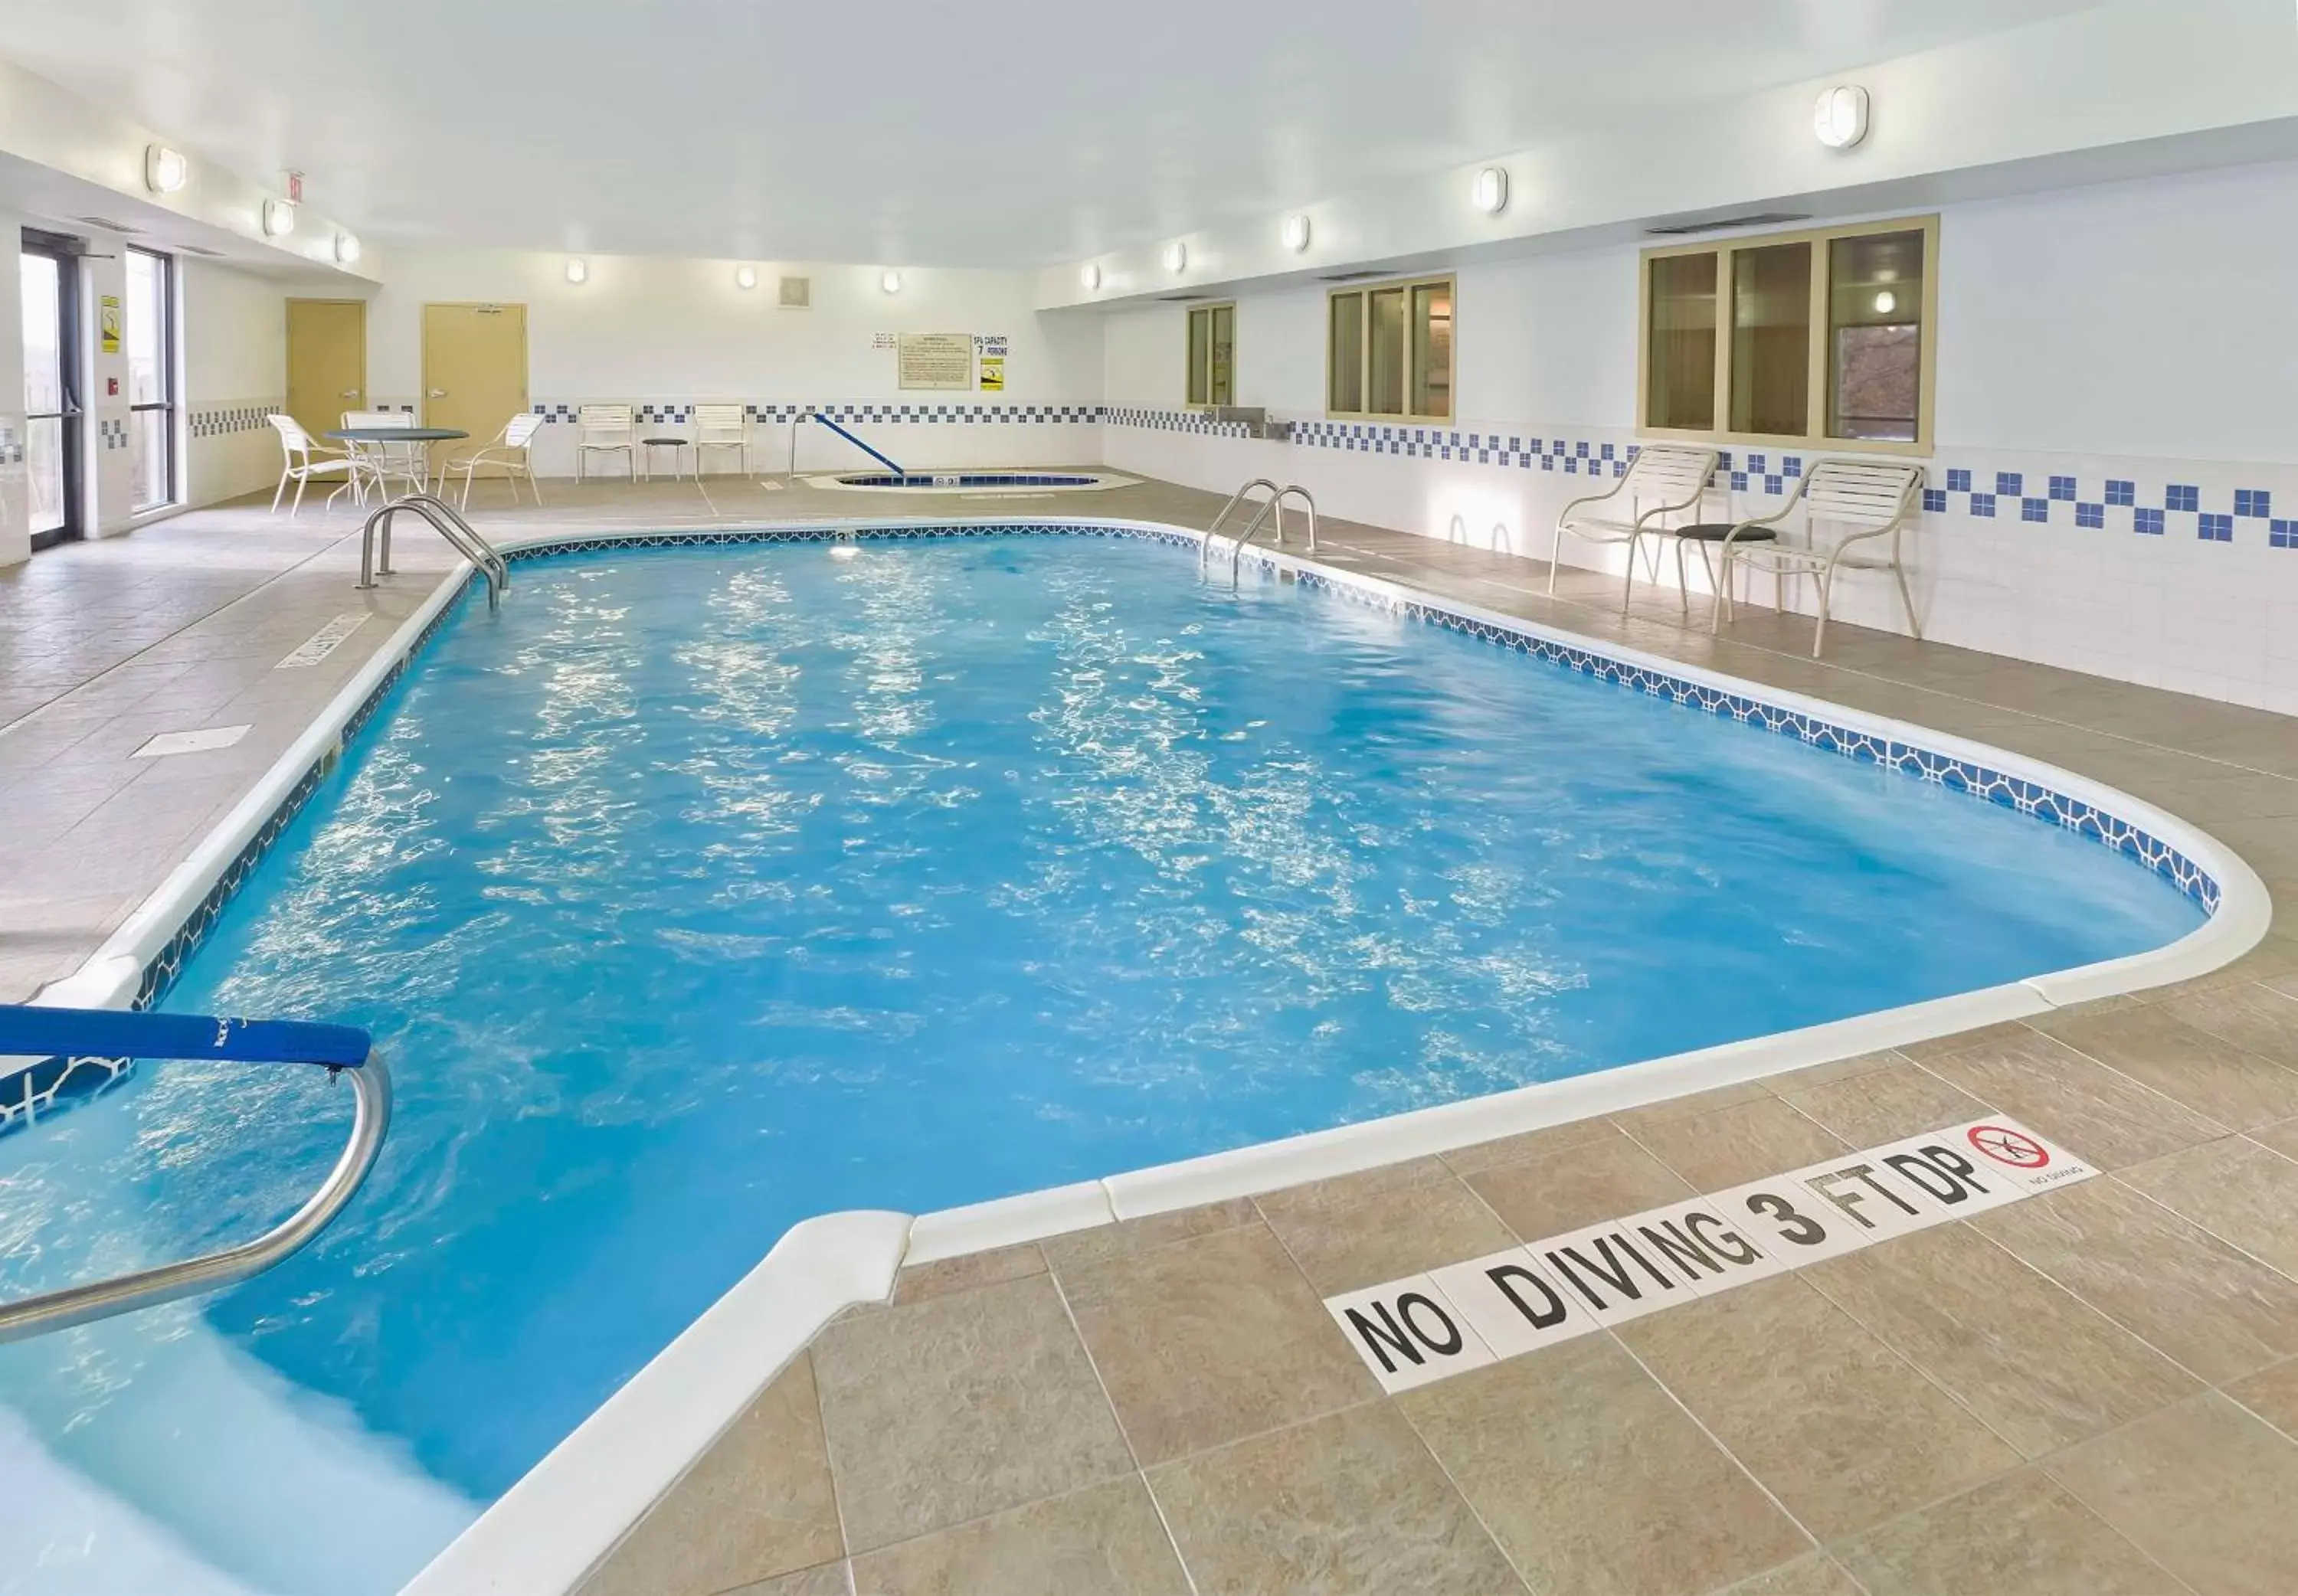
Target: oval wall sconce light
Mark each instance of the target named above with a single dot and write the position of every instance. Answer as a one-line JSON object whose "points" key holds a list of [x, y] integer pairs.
{"points": [[278, 219], [1176, 257], [1489, 191], [746, 277], [890, 283], [1089, 276], [165, 170], [1296, 233], [1839, 118], [578, 270], [347, 249]]}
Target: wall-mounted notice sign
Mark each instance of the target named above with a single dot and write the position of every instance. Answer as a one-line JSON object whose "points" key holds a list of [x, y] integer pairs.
{"points": [[989, 348], [936, 360], [107, 322]]}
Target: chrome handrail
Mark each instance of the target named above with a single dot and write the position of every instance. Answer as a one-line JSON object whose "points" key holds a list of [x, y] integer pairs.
{"points": [[1293, 489], [1204, 549], [339, 1049], [449, 524], [1272, 510]]}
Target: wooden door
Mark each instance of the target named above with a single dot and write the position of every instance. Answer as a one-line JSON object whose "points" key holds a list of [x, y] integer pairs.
{"points": [[474, 371], [326, 362]]}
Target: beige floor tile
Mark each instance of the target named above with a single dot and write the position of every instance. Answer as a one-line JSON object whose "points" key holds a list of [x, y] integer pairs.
{"points": [[1386, 1237], [960, 1406], [1205, 1341], [1102, 1541], [2282, 1137], [1728, 1146], [2236, 1190], [2038, 1365], [1816, 1575], [2272, 1393], [1841, 1429], [1530, 1144], [1347, 1191], [826, 1579], [1884, 1105], [919, 1281], [1559, 1191], [1842, 1068], [758, 1504], [1592, 1481], [2168, 1282], [2252, 1016], [1635, 1120], [1151, 1230], [2097, 1114], [2018, 1534], [2204, 1488], [1351, 1502], [2212, 1076]]}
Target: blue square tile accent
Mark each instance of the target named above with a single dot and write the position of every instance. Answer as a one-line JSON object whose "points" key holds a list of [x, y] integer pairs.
{"points": [[2008, 484], [1935, 500], [2282, 535], [1739, 482], [1776, 485], [1983, 504], [2216, 529], [2147, 521], [1791, 465], [2034, 509], [2179, 496], [2121, 493], [2063, 487], [2090, 515], [2252, 502], [1958, 481], [1608, 451], [1756, 465]]}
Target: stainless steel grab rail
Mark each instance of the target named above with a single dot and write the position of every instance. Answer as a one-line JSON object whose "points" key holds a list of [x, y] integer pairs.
{"points": [[1204, 549], [1272, 510], [459, 533], [336, 1049]]}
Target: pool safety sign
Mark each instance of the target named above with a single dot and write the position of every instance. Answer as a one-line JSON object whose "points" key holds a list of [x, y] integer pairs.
{"points": [[989, 355], [1463, 1315], [936, 360]]}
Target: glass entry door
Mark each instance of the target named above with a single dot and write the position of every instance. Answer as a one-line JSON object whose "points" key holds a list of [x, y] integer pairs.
{"points": [[52, 389]]}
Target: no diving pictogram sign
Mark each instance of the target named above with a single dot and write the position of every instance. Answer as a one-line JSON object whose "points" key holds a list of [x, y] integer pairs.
{"points": [[2005, 1145]]}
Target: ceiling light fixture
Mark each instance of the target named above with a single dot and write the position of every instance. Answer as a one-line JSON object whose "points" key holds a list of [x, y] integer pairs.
{"points": [[578, 270], [1296, 233], [1886, 302], [891, 282], [278, 219], [1089, 276], [1839, 118], [1489, 192], [1176, 257], [746, 277], [165, 170], [347, 249]]}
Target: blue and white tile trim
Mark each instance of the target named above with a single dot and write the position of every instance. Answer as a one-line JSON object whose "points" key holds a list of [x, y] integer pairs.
{"points": [[111, 431], [12, 444], [222, 420], [920, 413], [1174, 421], [51, 1083]]}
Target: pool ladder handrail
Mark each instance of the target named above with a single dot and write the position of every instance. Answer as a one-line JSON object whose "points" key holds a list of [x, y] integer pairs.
{"points": [[448, 524], [338, 1049], [1274, 505], [811, 415]]}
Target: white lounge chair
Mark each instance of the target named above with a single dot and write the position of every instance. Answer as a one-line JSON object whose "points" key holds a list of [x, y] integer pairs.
{"points": [[722, 427], [510, 452], [1664, 479], [604, 429], [303, 459], [1865, 500]]}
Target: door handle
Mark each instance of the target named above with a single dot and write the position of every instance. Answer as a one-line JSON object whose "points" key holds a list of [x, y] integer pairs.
{"points": [[438, 392], [350, 392]]}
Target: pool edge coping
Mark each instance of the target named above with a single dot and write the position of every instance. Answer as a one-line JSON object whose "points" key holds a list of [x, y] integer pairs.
{"points": [[662, 1421]]}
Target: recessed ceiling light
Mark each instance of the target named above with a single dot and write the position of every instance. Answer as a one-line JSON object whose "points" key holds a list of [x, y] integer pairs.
{"points": [[1489, 192], [745, 277], [1177, 256], [891, 282], [578, 270], [1839, 118], [1089, 276], [347, 249], [278, 219], [1296, 233], [165, 170]]}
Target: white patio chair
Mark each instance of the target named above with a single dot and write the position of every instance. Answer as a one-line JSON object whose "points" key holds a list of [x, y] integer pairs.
{"points": [[1866, 499], [1664, 479], [384, 464], [722, 427], [303, 459], [604, 429], [510, 452]]}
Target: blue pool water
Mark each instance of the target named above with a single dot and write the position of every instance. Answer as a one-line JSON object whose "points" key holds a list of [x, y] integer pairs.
{"points": [[700, 890]]}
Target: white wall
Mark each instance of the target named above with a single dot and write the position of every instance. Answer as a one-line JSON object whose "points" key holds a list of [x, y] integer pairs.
{"points": [[15, 508], [670, 331], [2135, 332], [235, 336]]}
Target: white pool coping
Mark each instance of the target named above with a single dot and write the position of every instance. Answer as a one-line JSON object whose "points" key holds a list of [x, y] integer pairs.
{"points": [[552, 1527], [1101, 482]]}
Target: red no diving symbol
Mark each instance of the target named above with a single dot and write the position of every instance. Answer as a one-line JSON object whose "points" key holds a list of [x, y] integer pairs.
{"points": [[2005, 1145]]}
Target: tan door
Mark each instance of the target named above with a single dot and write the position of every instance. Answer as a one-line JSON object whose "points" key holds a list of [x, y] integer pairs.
{"points": [[474, 371], [326, 362]]}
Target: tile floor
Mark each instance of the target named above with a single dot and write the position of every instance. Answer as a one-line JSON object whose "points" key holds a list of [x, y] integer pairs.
{"points": [[2091, 1391]]}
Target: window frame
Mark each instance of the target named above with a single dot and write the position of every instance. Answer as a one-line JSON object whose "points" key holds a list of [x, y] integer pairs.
{"points": [[170, 356], [1814, 436], [1364, 291], [1189, 356]]}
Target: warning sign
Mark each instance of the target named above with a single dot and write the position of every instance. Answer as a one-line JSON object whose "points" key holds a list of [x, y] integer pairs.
{"points": [[1462, 1316]]}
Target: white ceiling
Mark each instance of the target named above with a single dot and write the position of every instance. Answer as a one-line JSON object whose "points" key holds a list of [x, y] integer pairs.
{"points": [[946, 132]]}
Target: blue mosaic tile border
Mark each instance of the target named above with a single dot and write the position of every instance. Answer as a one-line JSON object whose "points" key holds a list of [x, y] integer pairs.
{"points": [[222, 420], [54, 1083]]}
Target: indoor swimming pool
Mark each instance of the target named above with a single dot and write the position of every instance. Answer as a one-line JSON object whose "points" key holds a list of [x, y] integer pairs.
{"points": [[702, 890]]}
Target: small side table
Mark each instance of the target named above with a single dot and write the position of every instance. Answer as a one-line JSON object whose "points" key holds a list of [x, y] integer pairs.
{"points": [[674, 445]]}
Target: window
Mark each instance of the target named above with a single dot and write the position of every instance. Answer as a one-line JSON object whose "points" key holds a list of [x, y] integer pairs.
{"points": [[1389, 350], [1212, 354], [1811, 338], [151, 340]]}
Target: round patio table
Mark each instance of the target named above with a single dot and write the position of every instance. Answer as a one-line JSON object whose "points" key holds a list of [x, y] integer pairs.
{"points": [[392, 435]]}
